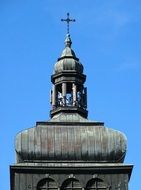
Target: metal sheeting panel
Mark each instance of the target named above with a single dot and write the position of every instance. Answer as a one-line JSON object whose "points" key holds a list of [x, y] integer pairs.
{"points": [[86, 143]]}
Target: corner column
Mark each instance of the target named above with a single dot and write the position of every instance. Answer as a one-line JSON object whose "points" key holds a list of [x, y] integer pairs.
{"points": [[64, 92], [74, 91], [54, 97]]}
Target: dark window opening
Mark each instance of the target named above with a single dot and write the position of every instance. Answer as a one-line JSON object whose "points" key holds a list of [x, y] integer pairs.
{"points": [[71, 184], [47, 184], [96, 184]]}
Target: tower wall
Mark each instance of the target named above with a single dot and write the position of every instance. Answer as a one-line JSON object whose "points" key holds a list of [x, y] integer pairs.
{"points": [[100, 176]]}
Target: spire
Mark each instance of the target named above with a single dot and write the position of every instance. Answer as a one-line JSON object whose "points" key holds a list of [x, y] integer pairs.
{"points": [[68, 41]]}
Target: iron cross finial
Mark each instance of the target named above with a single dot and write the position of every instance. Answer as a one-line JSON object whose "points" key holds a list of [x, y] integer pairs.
{"points": [[68, 20]]}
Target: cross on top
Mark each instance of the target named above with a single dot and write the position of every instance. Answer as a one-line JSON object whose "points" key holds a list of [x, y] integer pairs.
{"points": [[68, 20]]}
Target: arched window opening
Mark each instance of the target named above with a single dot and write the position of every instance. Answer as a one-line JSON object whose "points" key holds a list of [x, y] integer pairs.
{"points": [[71, 184], [47, 184], [96, 184]]}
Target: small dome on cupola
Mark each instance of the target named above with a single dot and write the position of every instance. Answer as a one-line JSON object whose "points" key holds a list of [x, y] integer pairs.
{"points": [[68, 60]]}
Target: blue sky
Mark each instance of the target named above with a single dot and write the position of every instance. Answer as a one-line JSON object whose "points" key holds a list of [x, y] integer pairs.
{"points": [[107, 39]]}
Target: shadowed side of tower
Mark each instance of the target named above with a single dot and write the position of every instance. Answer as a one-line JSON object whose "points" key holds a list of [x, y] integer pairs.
{"points": [[69, 151]]}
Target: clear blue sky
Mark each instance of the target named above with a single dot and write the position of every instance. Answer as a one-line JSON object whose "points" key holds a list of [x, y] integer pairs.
{"points": [[106, 38]]}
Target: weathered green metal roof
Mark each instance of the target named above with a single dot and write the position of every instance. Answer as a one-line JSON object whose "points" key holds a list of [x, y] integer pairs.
{"points": [[71, 139], [68, 60]]}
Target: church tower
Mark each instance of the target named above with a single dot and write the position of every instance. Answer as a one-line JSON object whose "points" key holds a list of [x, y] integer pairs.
{"points": [[70, 152]]}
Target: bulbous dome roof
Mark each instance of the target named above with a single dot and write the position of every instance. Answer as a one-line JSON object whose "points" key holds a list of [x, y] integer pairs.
{"points": [[68, 60], [79, 140]]}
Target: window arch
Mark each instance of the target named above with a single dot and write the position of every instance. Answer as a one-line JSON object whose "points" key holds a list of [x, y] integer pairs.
{"points": [[47, 184], [71, 184], [96, 184]]}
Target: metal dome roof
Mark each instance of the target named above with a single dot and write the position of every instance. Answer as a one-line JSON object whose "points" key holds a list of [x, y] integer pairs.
{"points": [[68, 60], [72, 139]]}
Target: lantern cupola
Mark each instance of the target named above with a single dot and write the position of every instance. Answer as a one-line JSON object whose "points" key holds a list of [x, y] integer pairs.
{"points": [[68, 93]]}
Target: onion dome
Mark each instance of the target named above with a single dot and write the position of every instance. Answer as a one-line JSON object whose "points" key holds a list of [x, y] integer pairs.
{"points": [[68, 60]]}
